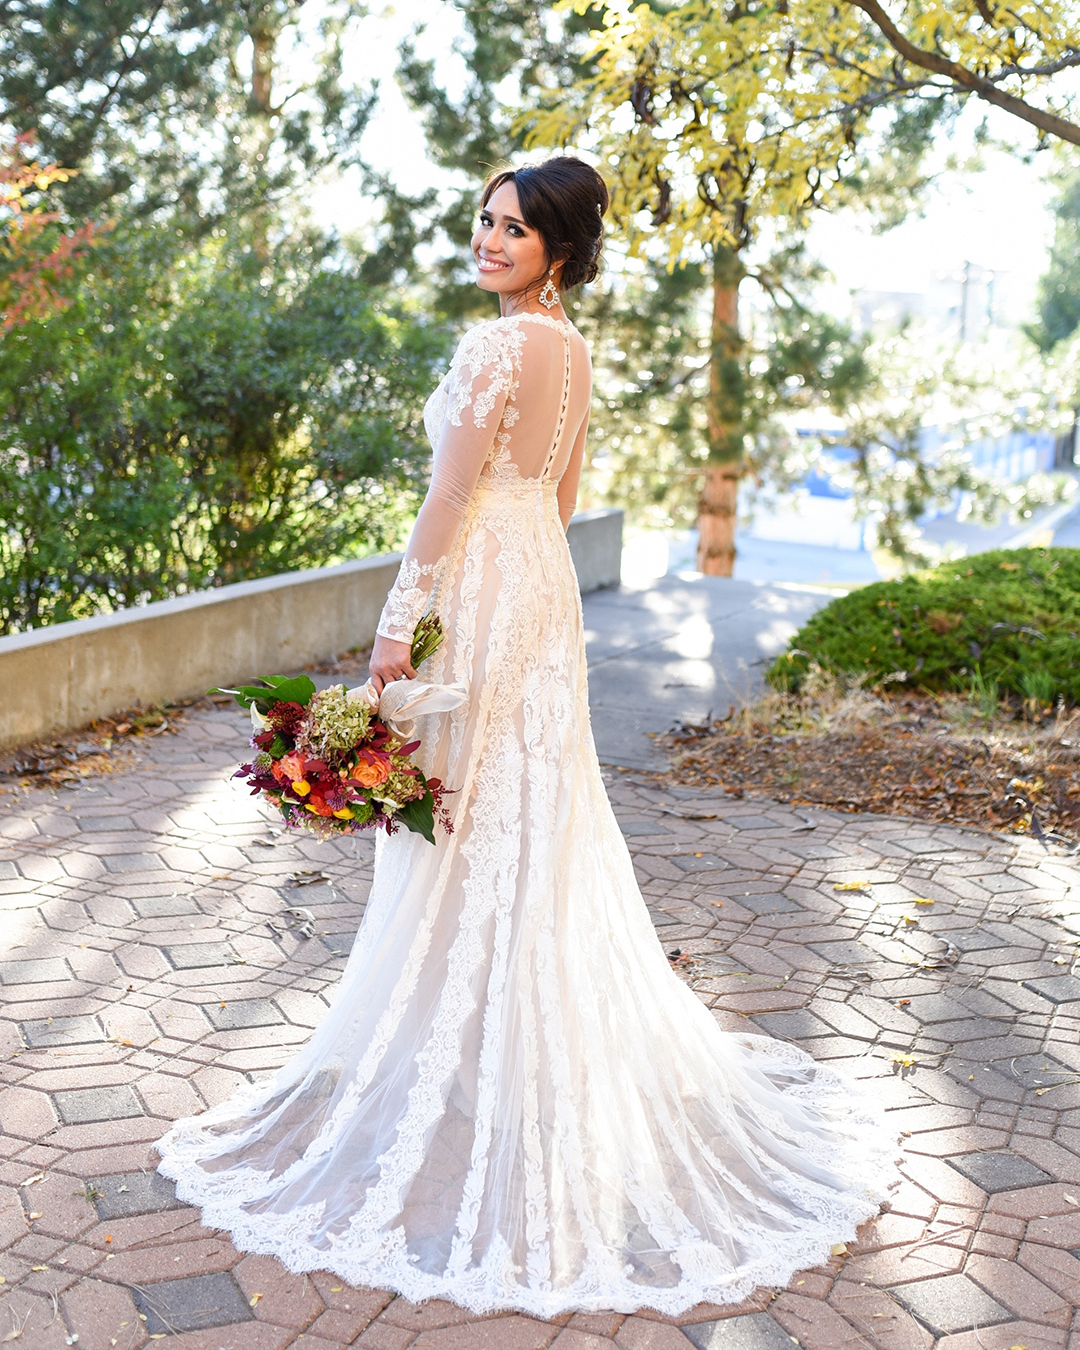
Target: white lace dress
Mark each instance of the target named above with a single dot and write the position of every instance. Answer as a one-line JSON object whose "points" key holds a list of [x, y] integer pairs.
{"points": [[513, 1101]]}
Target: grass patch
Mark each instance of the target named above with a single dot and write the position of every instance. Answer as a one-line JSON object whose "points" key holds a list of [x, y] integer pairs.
{"points": [[1004, 622]]}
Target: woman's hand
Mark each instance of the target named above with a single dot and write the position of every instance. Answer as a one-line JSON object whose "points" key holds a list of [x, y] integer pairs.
{"points": [[390, 661]]}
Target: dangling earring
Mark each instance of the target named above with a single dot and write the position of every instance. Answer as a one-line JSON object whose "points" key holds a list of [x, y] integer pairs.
{"points": [[549, 296]]}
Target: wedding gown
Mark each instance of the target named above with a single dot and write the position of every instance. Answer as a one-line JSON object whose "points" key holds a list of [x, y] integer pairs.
{"points": [[513, 1101]]}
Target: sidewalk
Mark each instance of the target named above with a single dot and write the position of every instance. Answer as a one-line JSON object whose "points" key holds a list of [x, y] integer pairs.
{"points": [[150, 964]]}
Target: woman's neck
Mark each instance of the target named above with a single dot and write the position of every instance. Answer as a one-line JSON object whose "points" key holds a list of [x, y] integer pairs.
{"points": [[512, 305]]}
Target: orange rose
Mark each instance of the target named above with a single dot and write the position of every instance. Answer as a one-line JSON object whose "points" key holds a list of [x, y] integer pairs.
{"points": [[291, 765], [371, 774], [318, 807]]}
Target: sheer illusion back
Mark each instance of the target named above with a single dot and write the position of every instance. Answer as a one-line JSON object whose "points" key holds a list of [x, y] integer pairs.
{"points": [[512, 410], [513, 1101]]}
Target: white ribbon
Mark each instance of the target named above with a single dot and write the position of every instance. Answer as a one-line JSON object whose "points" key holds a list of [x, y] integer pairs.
{"points": [[403, 700]]}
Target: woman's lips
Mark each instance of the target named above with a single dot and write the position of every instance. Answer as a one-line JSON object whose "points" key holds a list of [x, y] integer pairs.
{"points": [[490, 265]]}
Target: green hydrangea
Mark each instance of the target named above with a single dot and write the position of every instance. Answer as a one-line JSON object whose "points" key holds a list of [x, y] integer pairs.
{"points": [[337, 723]]}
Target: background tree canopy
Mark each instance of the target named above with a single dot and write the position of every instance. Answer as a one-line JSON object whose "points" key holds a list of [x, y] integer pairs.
{"points": [[198, 384]]}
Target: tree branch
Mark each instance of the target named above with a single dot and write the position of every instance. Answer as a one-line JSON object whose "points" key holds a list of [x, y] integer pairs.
{"points": [[966, 80]]}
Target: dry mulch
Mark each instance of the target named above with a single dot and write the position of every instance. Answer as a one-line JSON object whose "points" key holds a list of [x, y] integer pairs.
{"points": [[908, 758]]}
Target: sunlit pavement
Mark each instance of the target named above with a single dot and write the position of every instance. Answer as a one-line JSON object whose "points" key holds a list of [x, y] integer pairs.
{"points": [[150, 964]]}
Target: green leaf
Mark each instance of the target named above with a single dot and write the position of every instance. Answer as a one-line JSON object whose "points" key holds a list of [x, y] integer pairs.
{"points": [[419, 816], [274, 689], [294, 689]]}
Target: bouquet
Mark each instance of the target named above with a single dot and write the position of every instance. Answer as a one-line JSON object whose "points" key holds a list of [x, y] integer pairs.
{"points": [[331, 764]]}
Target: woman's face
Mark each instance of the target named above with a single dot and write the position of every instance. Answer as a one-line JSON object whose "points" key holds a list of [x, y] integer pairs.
{"points": [[509, 254]]}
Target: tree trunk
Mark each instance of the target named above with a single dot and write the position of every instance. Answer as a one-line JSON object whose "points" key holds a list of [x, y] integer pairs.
{"points": [[718, 504], [264, 29]]}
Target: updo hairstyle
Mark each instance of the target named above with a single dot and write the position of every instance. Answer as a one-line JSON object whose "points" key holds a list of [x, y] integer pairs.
{"points": [[563, 199]]}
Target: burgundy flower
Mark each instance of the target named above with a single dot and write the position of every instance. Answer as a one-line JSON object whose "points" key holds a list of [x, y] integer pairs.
{"points": [[287, 718]]}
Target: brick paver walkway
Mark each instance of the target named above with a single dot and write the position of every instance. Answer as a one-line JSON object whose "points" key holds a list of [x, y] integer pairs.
{"points": [[157, 948]]}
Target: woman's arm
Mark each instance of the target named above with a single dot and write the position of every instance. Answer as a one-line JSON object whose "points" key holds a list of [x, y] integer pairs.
{"points": [[477, 395], [569, 482]]}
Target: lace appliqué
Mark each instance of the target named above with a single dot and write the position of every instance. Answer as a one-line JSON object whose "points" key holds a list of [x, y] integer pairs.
{"points": [[407, 600], [492, 346]]}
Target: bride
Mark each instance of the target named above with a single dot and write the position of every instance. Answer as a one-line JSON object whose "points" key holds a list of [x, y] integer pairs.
{"points": [[514, 1103]]}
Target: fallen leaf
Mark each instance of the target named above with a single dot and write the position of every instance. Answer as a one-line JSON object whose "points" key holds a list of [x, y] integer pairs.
{"points": [[337, 1289], [852, 886], [838, 1249], [108, 1237], [910, 918], [717, 904], [39, 1267], [922, 900], [906, 1061], [36, 1214], [253, 1300], [1061, 960], [30, 1181], [1071, 1199], [902, 1002]]}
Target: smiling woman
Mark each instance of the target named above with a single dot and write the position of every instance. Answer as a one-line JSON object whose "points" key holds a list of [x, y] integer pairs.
{"points": [[514, 1101], [540, 231]]}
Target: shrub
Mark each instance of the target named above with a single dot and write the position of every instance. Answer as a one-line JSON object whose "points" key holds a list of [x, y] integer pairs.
{"points": [[1004, 621]]}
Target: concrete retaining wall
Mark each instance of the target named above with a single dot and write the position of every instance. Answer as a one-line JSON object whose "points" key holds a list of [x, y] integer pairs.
{"points": [[58, 678]]}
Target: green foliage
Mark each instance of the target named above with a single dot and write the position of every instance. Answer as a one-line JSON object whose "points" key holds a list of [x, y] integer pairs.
{"points": [[418, 815], [200, 415], [159, 102], [1008, 620], [1059, 287], [272, 689]]}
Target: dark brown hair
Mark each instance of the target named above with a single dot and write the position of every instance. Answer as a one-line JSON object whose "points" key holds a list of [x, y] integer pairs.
{"points": [[563, 199]]}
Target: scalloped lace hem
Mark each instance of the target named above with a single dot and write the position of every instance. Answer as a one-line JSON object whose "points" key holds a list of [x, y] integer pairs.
{"points": [[477, 1293]]}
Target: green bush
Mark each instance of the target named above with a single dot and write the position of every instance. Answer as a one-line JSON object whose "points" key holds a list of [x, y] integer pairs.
{"points": [[1001, 622]]}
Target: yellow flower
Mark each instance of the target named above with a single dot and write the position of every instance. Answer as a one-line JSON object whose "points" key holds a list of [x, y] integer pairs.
{"points": [[344, 814], [301, 787]]}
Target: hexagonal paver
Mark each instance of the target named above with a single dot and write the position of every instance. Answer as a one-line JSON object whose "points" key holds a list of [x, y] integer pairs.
{"points": [[994, 1172], [126, 1193], [34, 972], [163, 906], [755, 823], [795, 1026], [970, 939], [844, 953], [83, 1106], [1000, 883], [191, 1304], [248, 1012], [698, 862], [949, 1304], [936, 1008], [1056, 988], [633, 828], [42, 1034], [132, 862], [193, 955], [754, 1331], [770, 903]]}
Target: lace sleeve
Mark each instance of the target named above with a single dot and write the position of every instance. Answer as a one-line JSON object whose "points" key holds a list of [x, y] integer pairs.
{"points": [[483, 375]]}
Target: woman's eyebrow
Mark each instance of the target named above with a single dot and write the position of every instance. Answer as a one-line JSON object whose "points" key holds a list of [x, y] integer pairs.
{"points": [[512, 219]]}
